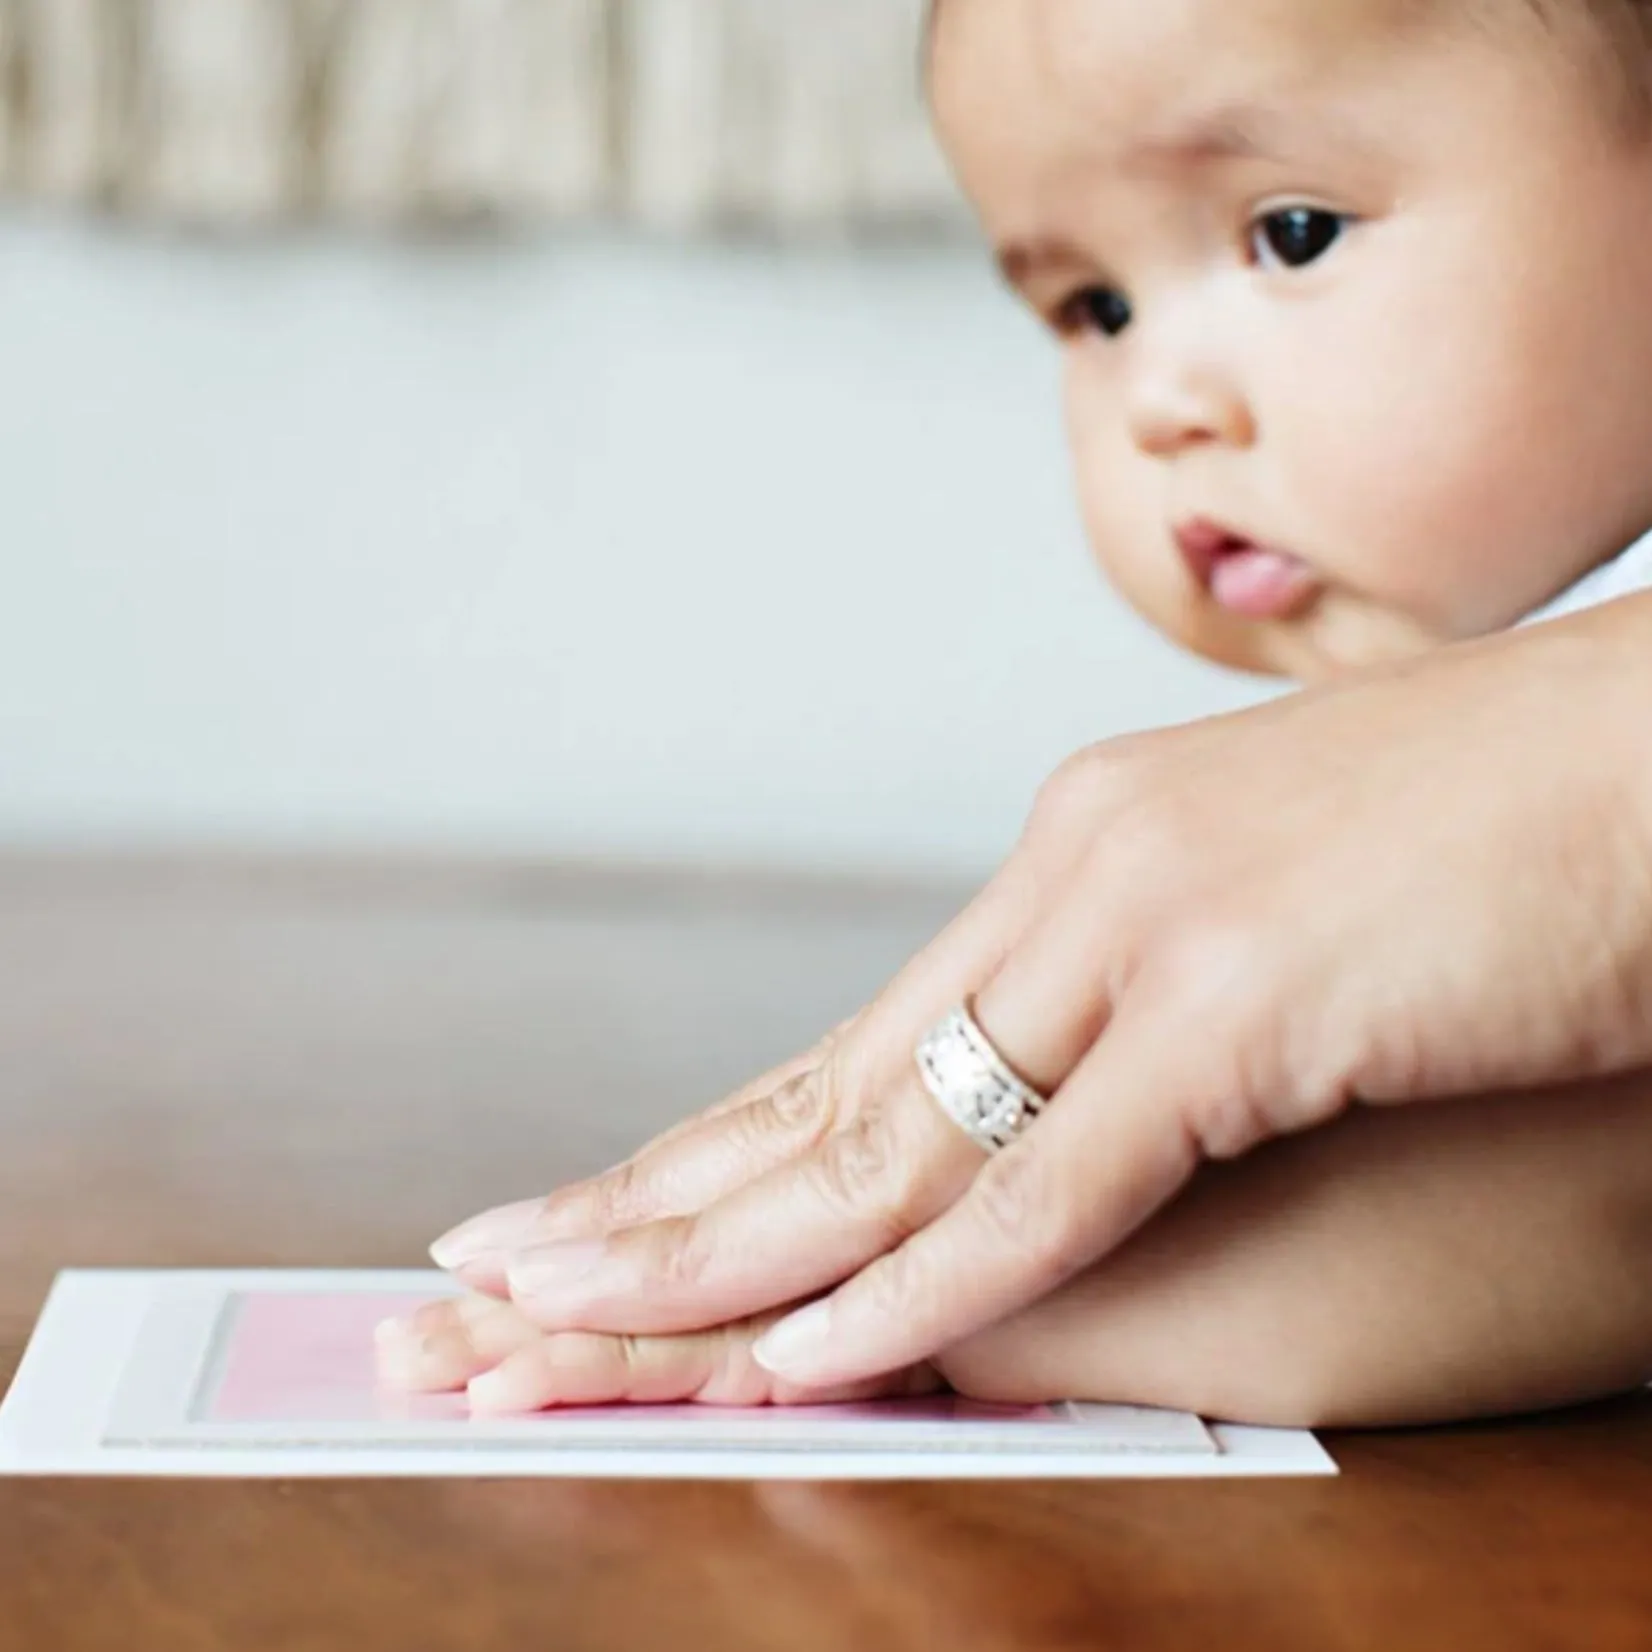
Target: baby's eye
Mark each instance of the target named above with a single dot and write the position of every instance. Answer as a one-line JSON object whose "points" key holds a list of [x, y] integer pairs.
{"points": [[1296, 236], [1105, 309]]}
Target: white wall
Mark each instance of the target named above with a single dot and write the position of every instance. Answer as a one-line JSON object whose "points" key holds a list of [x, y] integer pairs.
{"points": [[579, 547]]}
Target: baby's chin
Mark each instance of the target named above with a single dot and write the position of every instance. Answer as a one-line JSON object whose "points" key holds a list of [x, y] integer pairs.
{"points": [[1339, 635]]}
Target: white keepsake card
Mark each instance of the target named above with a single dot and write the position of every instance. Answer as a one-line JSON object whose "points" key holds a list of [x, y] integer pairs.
{"points": [[257, 1373]]}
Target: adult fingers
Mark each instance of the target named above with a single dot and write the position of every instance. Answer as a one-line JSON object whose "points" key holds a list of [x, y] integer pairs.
{"points": [[893, 1165], [781, 1118], [800, 1228]]}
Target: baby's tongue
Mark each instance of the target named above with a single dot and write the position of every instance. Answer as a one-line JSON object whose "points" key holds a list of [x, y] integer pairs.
{"points": [[1259, 583]]}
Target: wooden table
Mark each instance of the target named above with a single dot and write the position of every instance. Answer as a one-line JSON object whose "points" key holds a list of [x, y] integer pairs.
{"points": [[283, 1064]]}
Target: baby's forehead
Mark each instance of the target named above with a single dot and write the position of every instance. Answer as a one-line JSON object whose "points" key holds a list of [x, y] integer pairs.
{"points": [[1068, 88], [1095, 75], [1090, 38]]}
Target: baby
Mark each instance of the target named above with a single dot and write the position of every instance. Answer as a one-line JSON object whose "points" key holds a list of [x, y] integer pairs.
{"points": [[1354, 299]]}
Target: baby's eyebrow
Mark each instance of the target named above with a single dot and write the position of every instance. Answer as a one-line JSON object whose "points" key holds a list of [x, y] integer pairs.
{"points": [[1020, 260], [1237, 132], [1244, 132]]}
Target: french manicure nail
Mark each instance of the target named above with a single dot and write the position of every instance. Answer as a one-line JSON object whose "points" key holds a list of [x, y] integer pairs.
{"points": [[493, 1230], [792, 1349], [550, 1276]]}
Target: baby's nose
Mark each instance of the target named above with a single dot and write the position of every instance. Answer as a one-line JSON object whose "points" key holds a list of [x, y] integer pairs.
{"points": [[1174, 406]]}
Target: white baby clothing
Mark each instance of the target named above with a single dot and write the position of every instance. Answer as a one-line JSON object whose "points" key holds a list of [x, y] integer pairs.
{"points": [[1622, 576]]}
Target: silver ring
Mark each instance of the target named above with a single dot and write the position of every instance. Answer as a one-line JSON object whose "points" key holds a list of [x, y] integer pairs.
{"points": [[976, 1087]]}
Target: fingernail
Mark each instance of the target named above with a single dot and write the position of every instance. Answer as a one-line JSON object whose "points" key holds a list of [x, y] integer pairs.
{"points": [[505, 1389], [549, 1277], [500, 1229], [793, 1348], [402, 1357], [389, 1332]]}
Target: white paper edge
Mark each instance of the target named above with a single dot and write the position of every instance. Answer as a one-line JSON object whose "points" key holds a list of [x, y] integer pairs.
{"points": [[52, 1420]]}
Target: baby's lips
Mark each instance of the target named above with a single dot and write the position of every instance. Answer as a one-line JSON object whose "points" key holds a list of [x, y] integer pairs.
{"points": [[1202, 544], [1242, 575], [1260, 583]]}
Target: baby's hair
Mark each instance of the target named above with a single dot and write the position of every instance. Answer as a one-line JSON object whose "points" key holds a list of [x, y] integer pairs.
{"points": [[1616, 34]]}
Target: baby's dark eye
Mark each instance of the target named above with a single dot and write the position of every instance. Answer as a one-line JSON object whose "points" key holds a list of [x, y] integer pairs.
{"points": [[1296, 236], [1105, 309]]}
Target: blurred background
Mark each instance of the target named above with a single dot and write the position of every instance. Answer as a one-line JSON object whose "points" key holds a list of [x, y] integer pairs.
{"points": [[577, 428]]}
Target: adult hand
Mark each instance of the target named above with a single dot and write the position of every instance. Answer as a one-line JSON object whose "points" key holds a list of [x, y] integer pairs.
{"points": [[1432, 882]]}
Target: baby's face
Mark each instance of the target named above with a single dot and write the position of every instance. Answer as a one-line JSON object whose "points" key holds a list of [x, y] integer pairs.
{"points": [[1355, 301]]}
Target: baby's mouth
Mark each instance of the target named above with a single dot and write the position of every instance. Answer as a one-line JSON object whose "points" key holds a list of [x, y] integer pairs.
{"points": [[1244, 576]]}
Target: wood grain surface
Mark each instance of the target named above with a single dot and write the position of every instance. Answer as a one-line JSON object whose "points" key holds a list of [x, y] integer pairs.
{"points": [[267, 1063]]}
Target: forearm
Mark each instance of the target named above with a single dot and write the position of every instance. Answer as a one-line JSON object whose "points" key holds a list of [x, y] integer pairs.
{"points": [[1423, 1264]]}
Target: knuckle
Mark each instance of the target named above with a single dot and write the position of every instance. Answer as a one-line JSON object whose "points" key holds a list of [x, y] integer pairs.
{"points": [[682, 1260], [1088, 783], [1139, 832], [840, 1037], [804, 1105], [621, 1196], [860, 1173], [849, 1078]]}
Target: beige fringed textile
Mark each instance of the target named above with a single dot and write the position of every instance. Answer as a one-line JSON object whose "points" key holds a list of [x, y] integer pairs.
{"points": [[781, 115]]}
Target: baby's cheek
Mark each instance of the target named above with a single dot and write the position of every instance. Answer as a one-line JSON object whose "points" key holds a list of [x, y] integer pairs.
{"points": [[1125, 527]]}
